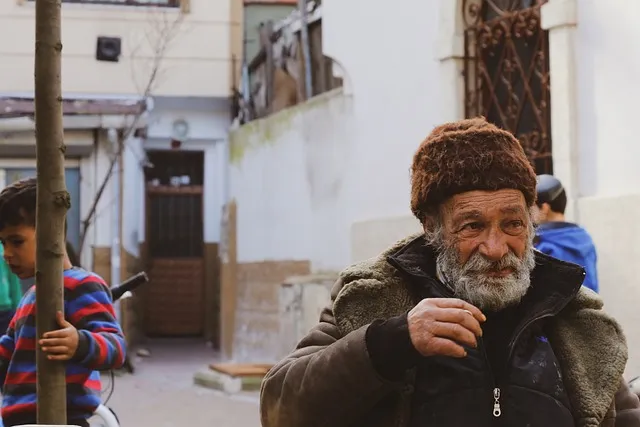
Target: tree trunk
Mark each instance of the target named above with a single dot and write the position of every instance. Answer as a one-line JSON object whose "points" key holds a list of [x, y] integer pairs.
{"points": [[53, 201]]}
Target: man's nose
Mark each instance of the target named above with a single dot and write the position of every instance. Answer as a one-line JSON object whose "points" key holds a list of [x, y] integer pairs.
{"points": [[494, 247]]}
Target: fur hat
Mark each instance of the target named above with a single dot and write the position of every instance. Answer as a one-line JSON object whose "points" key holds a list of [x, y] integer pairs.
{"points": [[468, 155]]}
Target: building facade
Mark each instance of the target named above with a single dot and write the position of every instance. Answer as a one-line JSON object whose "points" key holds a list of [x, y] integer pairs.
{"points": [[147, 86], [343, 195]]}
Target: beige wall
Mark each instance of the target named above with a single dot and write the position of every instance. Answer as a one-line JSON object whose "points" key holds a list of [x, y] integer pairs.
{"points": [[197, 63]]}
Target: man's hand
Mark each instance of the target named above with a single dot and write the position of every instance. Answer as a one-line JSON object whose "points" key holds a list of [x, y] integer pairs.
{"points": [[61, 344], [437, 326]]}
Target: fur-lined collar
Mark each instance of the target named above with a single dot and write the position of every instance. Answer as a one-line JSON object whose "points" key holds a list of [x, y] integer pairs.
{"points": [[588, 343]]}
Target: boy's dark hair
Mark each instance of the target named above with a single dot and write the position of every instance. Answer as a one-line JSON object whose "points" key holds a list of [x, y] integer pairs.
{"points": [[558, 205], [18, 204]]}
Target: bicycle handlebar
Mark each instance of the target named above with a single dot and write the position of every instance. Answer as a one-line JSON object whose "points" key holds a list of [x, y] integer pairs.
{"points": [[128, 285]]}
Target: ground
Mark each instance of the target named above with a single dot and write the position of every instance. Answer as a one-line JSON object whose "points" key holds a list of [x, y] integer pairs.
{"points": [[161, 393]]}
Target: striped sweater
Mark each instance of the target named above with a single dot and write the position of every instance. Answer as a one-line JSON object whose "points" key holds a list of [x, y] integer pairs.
{"points": [[87, 306]]}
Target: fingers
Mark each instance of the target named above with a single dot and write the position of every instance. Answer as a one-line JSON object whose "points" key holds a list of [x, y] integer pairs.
{"points": [[455, 332], [61, 357], [56, 350], [462, 317], [51, 342], [60, 333], [460, 304]]}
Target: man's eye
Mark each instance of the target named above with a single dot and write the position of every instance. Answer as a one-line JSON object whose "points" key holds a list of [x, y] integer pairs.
{"points": [[516, 224], [16, 242], [474, 226]]}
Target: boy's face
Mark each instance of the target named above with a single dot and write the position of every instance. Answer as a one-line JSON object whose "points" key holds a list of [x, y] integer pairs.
{"points": [[20, 249]]}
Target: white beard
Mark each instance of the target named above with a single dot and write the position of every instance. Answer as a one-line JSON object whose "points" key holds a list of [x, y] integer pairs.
{"points": [[471, 282]]}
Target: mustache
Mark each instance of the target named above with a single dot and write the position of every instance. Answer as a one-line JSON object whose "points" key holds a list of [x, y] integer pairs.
{"points": [[479, 264]]}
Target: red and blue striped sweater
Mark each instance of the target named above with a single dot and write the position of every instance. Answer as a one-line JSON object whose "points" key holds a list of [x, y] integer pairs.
{"points": [[88, 307]]}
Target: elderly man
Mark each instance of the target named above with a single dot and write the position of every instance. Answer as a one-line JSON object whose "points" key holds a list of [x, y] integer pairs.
{"points": [[464, 324]]}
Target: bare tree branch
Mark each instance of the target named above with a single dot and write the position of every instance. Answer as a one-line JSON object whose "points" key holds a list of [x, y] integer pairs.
{"points": [[163, 34]]}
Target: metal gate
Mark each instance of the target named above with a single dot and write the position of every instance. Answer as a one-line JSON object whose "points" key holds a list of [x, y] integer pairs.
{"points": [[506, 71], [174, 303]]}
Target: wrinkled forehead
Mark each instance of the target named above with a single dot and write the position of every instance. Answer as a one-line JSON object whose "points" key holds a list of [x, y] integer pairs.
{"points": [[485, 205]]}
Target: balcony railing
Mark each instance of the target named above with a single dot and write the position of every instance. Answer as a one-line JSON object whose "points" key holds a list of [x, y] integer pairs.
{"points": [[159, 3]]}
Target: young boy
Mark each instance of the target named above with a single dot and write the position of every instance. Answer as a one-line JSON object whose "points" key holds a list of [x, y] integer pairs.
{"points": [[89, 338]]}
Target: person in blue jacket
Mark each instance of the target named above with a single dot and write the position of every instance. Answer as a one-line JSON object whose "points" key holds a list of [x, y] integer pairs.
{"points": [[561, 239]]}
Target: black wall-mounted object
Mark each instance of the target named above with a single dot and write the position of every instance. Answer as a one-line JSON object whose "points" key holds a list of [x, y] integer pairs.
{"points": [[108, 49]]}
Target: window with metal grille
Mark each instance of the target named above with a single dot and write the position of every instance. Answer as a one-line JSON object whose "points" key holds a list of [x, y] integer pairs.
{"points": [[506, 72], [174, 204], [175, 225]]}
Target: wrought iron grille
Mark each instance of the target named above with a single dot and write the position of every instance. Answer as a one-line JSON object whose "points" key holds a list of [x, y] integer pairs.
{"points": [[175, 223], [506, 72]]}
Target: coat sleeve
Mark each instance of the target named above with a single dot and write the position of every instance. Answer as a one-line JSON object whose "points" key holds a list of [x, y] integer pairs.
{"points": [[101, 344], [328, 380], [627, 407]]}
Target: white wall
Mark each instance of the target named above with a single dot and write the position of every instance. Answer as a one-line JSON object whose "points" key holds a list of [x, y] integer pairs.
{"points": [[133, 220], [363, 144], [196, 63], [290, 175], [393, 70], [93, 170], [608, 88], [607, 73]]}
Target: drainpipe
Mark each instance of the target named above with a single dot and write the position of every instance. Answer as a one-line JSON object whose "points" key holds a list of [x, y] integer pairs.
{"points": [[114, 141], [304, 36]]}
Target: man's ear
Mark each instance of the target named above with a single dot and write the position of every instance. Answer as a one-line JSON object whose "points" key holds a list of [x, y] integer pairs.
{"points": [[430, 222], [545, 209]]}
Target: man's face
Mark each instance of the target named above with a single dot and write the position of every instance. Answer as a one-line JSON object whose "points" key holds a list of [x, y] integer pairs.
{"points": [[20, 249], [486, 250]]}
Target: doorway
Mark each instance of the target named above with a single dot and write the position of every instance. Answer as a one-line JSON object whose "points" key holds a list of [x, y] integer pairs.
{"points": [[174, 305]]}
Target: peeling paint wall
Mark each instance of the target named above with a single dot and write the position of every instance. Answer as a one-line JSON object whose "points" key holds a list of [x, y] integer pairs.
{"points": [[290, 175]]}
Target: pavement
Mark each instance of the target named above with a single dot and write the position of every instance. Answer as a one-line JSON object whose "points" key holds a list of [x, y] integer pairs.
{"points": [[161, 392]]}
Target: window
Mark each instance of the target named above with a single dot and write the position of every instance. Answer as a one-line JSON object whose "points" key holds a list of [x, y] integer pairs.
{"points": [[507, 72], [161, 3]]}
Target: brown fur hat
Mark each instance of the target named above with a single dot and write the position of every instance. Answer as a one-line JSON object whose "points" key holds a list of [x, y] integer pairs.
{"points": [[468, 155]]}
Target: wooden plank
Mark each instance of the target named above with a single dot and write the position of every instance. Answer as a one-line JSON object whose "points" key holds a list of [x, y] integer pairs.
{"points": [[154, 190], [241, 370], [266, 33]]}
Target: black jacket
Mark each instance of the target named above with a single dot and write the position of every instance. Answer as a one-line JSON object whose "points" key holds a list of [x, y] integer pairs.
{"points": [[513, 378]]}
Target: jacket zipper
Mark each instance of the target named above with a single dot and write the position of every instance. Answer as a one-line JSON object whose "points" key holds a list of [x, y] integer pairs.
{"points": [[497, 411], [496, 391]]}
